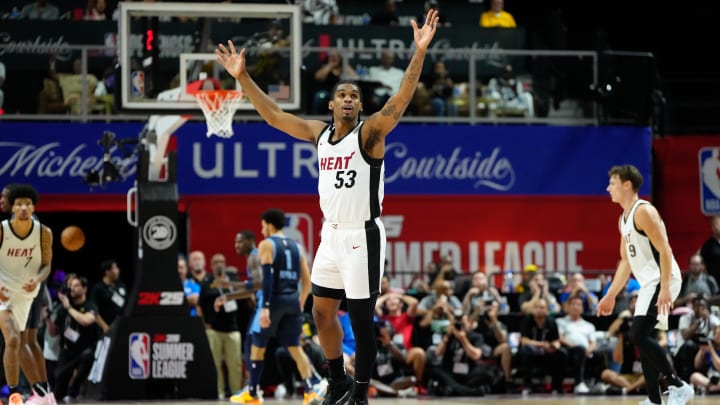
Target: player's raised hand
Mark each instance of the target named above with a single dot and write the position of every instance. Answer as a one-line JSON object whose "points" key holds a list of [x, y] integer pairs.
{"points": [[233, 61], [424, 35]]}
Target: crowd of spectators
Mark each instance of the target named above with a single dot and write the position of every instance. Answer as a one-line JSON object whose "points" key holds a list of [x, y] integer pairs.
{"points": [[447, 333], [52, 96]]}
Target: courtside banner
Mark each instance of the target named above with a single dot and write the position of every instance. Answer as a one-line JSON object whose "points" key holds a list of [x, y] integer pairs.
{"points": [[489, 233], [420, 159]]}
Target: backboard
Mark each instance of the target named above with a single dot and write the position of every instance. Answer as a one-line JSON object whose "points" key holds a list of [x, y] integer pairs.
{"points": [[167, 52]]}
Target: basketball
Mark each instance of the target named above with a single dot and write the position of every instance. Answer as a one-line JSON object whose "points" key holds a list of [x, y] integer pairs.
{"points": [[72, 238]]}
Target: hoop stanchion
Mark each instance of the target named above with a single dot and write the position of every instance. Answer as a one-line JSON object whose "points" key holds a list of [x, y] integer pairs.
{"points": [[219, 106]]}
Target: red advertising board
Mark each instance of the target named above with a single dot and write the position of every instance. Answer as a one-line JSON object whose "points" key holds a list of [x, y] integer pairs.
{"points": [[481, 233], [677, 190]]}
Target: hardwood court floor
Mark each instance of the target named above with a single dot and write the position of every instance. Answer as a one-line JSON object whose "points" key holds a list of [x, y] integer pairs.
{"points": [[486, 400]]}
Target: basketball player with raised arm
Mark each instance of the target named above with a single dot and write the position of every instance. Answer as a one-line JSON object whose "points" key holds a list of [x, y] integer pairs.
{"points": [[645, 251], [350, 259], [25, 257]]}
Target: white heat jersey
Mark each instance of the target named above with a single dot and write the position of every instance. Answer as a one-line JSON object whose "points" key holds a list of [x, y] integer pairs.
{"points": [[644, 259], [20, 258], [351, 184]]}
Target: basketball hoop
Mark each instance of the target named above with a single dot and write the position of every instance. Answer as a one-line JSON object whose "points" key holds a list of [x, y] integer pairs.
{"points": [[219, 106]]}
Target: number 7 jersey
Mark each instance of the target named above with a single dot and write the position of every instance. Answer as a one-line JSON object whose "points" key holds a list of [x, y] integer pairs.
{"points": [[351, 183], [643, 257]]}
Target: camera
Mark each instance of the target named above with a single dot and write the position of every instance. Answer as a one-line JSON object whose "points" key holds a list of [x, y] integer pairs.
{"points": [[65, 290], [458, 325]]}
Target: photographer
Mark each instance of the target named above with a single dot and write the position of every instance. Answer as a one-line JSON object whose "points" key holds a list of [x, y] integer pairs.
{"points": [[694, 326], [627, 378], [391, 363], [459, 373], [75, 320], [707, 364], [495, 347], [434, 313]]}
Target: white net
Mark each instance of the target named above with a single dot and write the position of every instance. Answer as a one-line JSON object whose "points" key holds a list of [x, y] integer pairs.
{"points": [[219, 106]]}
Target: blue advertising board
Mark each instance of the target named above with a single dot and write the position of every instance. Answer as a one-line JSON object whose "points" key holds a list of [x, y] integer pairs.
{"points": [[420, 159]]}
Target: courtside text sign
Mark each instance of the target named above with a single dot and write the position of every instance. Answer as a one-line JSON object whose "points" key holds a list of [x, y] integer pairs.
{"points": [[465, 160]]}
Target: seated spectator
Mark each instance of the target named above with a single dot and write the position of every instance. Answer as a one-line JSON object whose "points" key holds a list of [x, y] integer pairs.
{"points": [[710, 249], [387, 74], [540, 347], [480, 295], [326, 77], [320, 12], [386, 16], [50, 98], [527, 274], [497, 17], [693, 327], [509, 95], [576, 286], [72, 87], [697, 282], [707, 364], [577, 336], [40, 10], [433, 4], [538, 289], [95, 10], [457, 372], [386, 286], [495, 345], [440, 87], [400, 311]]}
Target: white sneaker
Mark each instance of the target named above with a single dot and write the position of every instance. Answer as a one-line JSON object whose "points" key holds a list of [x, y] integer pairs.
{"points": [[321, 387], [50, 398], [581, 388], [680, 395], [280, 391], [407, 392], [647, 401]]}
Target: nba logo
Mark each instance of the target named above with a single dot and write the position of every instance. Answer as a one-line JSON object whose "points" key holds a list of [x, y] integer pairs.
{"points": [[139, 356], [709, 159], [299, 226], [137, 83]]}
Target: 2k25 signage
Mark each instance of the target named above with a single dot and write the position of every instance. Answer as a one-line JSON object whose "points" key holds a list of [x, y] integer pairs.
{"points": [[420, 159], [709, 159]]}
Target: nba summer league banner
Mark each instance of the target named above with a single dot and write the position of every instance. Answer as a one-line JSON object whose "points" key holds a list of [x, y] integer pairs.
{"points": [[419, 160]]}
